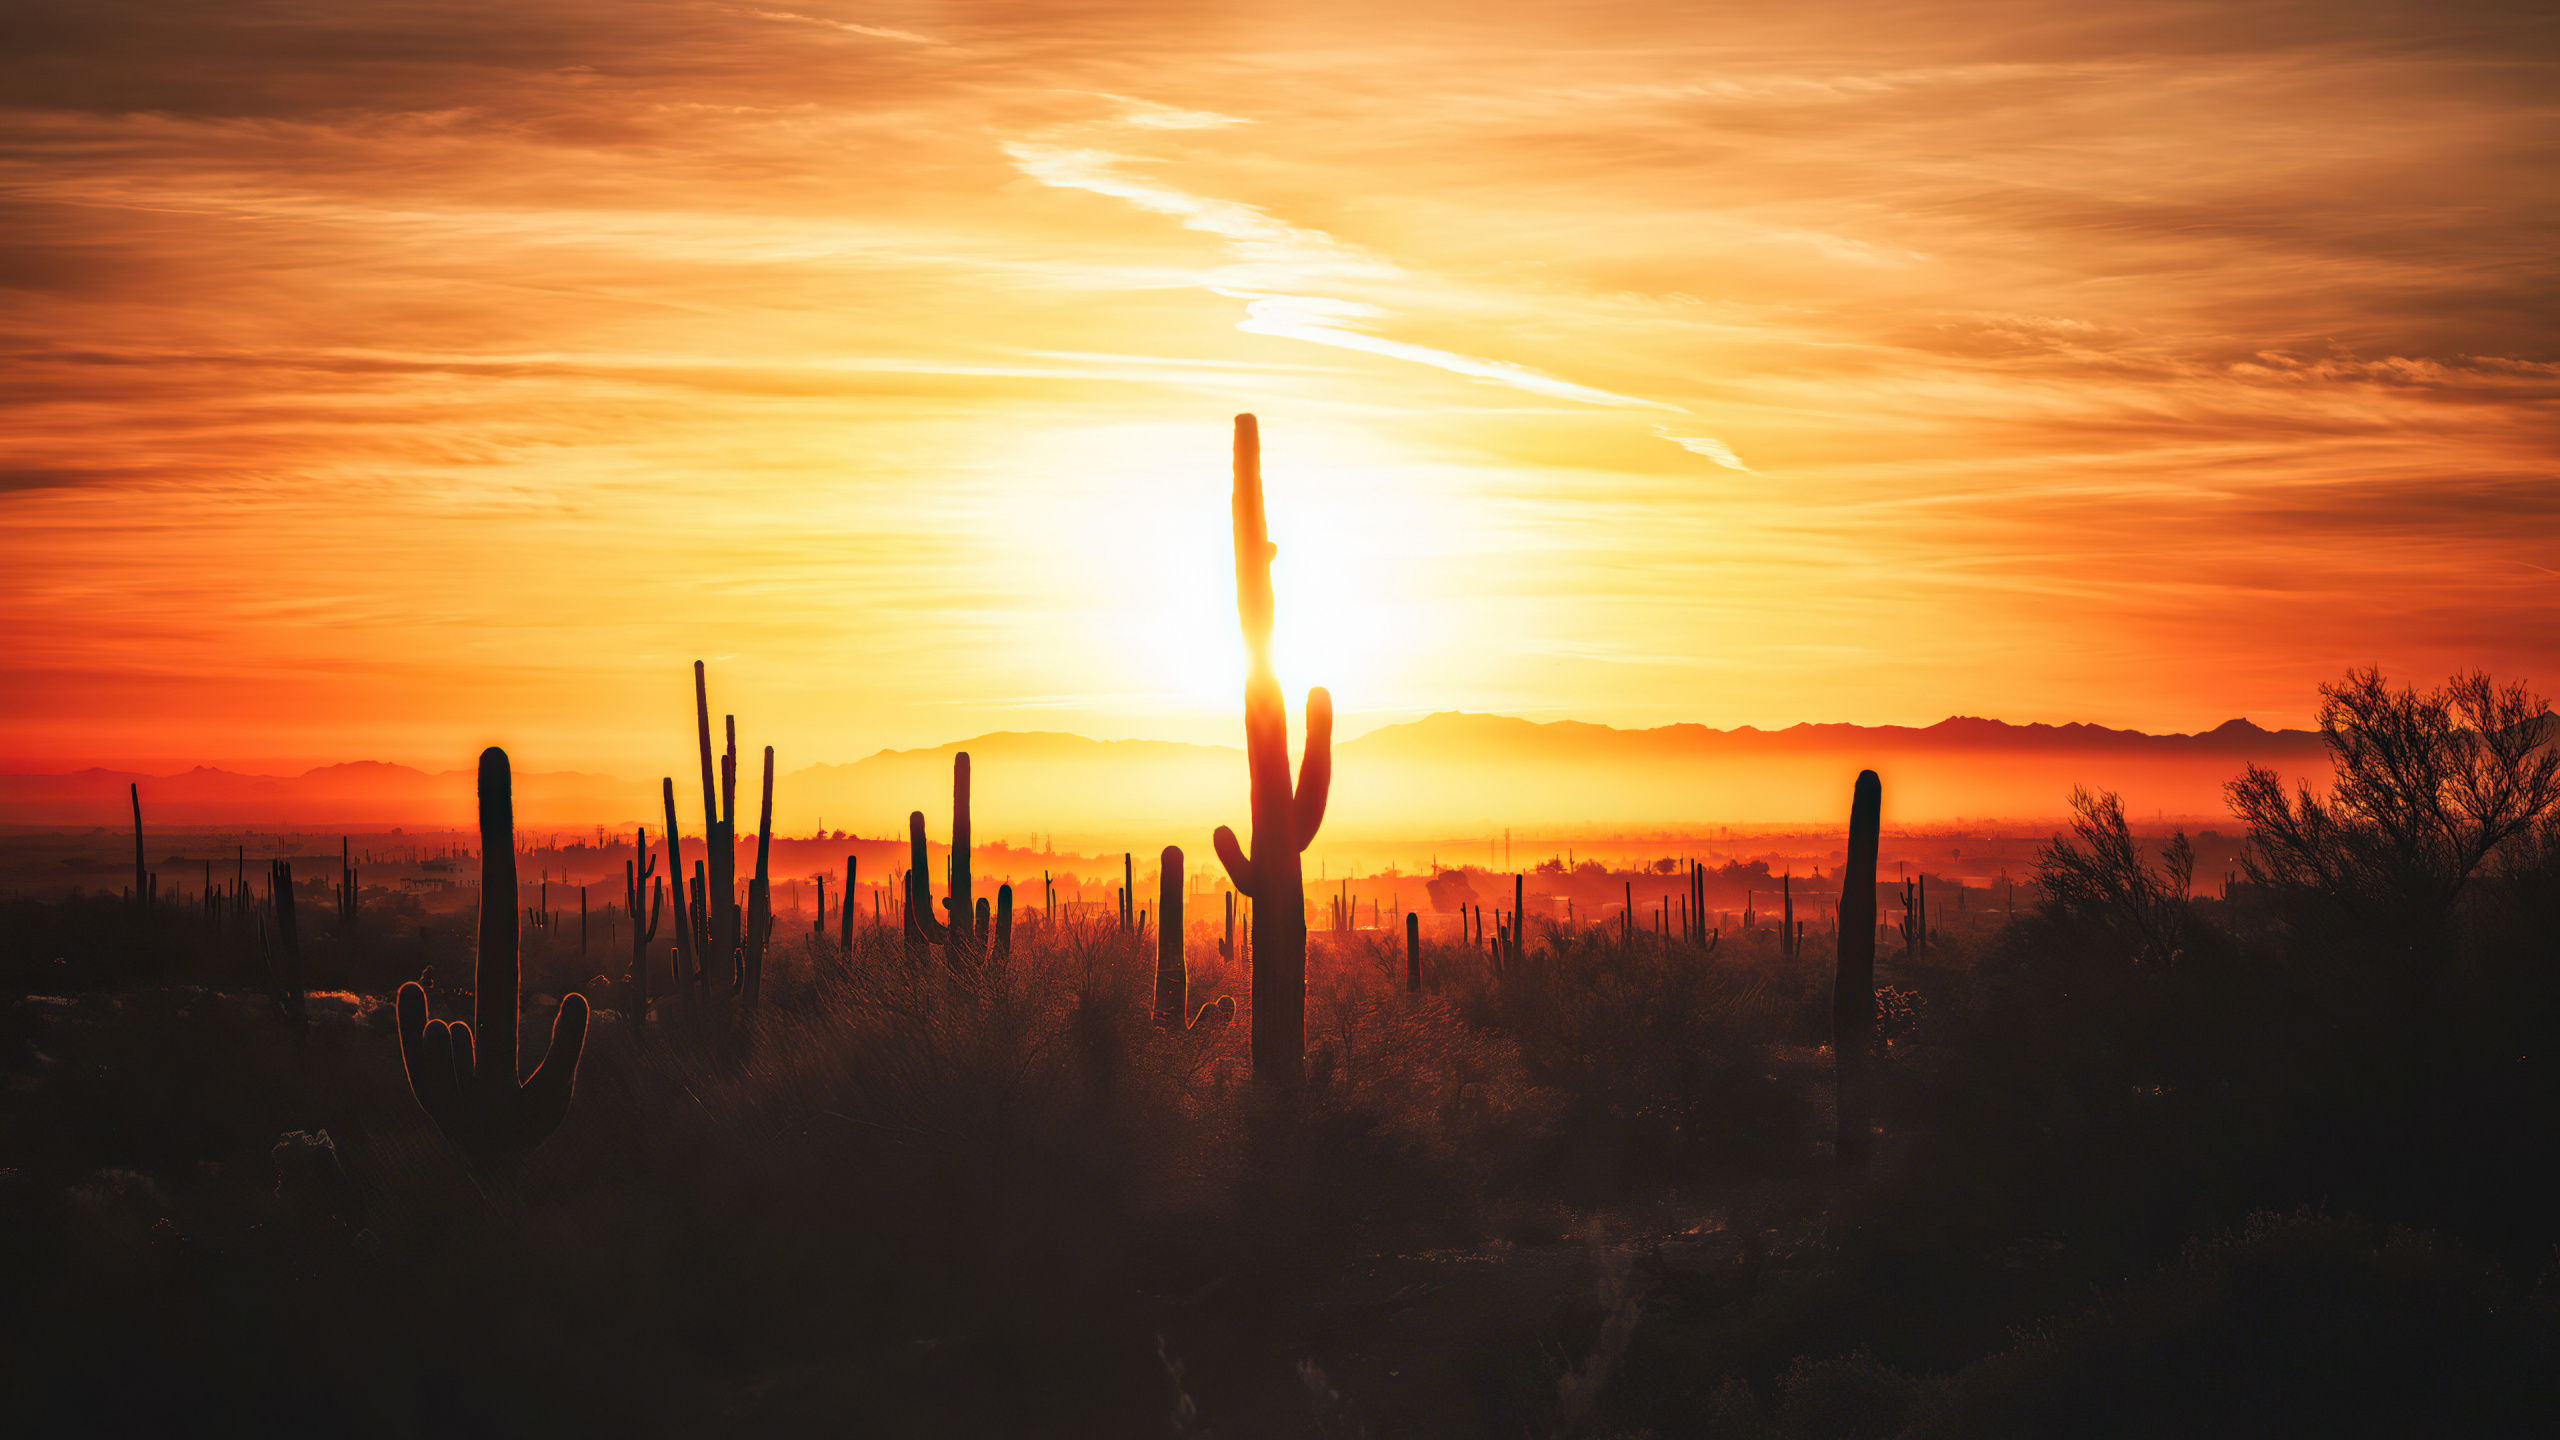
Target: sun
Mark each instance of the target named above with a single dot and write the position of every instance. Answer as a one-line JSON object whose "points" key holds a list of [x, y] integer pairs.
{"points": [[1134, 542]]}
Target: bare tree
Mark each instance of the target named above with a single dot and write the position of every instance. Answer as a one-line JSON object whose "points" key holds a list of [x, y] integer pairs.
{"points": [[2428, 788], [2103, 879]]}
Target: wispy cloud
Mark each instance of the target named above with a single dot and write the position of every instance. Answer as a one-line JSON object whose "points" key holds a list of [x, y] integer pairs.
{"points": [[1277, 261]]}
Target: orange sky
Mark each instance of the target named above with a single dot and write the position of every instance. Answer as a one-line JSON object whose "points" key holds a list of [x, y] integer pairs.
{"points": [[381, 382]]}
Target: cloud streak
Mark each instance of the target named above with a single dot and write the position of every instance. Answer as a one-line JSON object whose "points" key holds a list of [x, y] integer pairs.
{"points": [[1274, 259]]}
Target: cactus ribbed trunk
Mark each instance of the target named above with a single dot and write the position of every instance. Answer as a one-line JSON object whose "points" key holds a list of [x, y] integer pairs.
{"points": [[498, 974], [1412, 953], [1000, 942], [922, 928], [964, 947], [1285, 820], [1853, 990], [844, 915], [688, 958], [1173, 978], [760, 894], [141, 873]]}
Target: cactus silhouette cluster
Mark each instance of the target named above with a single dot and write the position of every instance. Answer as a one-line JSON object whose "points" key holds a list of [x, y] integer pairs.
{"points": [[464, 1075], [968, 930], [1285, 817]]}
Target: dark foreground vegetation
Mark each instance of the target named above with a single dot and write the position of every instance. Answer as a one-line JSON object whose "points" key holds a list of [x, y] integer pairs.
{"points": [[2281, 1163]]}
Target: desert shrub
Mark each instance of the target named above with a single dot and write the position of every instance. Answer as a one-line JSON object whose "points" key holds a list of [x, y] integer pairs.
{"points": [[1657, 1054], [2304, 1324], [2099, 878], [947, 1203]]}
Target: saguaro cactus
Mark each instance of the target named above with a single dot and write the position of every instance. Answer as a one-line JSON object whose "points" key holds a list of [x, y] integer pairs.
{"points": [[141, 872], [718, 919], [644, 896], [964, 944], [689, 962], [844, 912], [1000, 942], [1853, 989], [285, 965], [1412, 952], [1173, 977], [922, 928], [759, 895], [465, 1075], [1285, 820]]}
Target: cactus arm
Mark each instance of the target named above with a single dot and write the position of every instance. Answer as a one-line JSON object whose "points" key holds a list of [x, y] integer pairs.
{"points": [[1002, 941], [544, 1101], [1315, 768], [500, 974], [1240, 871], [426, 1052]]}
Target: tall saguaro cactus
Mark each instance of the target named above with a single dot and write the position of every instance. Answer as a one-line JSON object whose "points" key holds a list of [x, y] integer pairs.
{"points": [[1285, 820], [1853, 990], [465, 1075], [719, 919], [963, 945], [1173, 977]]}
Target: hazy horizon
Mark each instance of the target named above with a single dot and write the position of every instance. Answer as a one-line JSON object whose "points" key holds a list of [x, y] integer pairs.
{"points": [[1451, 773]]}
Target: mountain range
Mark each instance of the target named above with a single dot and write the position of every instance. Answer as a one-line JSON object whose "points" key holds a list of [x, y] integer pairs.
{"points": [[1446, 774]]}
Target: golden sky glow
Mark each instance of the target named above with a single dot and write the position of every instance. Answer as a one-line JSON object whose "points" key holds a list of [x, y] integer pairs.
{"points": [[381, 382]]}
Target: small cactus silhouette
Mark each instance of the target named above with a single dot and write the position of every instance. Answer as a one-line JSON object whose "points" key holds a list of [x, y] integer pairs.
{"points": [[644, 898], [465, 1075]]}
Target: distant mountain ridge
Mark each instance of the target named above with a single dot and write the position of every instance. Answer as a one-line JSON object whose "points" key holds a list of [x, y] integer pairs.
{"points": [[1956, 732], [1450, 771]]}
